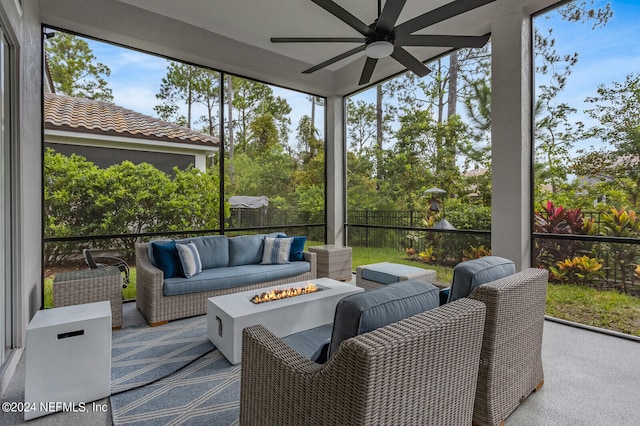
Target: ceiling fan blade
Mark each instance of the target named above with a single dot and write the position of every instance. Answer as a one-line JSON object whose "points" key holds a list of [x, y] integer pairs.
{"points": [[389, 16], [317, 40], [344, 16], [367, 71], [442, 13], [441, 40], [333, 60], [410, 62]]}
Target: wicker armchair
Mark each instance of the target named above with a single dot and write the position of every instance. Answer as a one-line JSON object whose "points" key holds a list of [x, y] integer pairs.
{"points": [[421, 370], [511, 359]]}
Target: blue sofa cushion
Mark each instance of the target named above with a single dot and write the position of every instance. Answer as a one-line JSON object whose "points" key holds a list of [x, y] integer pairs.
{"points": [[363, 312], [166, 258], [473, 273], [388, 273], [297, 247], [150, 249], [214, 251], [276, 251], [232, 276], [246, 250]]}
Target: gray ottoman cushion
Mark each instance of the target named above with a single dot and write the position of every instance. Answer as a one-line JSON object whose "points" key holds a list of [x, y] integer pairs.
{"points": [[363, 312], [473, 273], [388, 273]]}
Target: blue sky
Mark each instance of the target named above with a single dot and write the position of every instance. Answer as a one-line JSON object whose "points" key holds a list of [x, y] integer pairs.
{"points": [[605, 55], [136, 78]]}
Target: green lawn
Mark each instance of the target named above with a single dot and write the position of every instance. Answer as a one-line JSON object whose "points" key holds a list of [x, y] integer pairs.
{"points": [[598, 308]]}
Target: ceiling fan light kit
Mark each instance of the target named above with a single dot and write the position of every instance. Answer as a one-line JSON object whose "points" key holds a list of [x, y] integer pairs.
{"points": [[384, 38], [379, 49]]}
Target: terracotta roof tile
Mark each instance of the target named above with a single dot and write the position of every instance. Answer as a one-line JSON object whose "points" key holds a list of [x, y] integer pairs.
{"points": [[63, 112]]}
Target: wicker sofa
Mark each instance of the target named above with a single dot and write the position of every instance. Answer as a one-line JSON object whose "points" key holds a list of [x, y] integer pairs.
{"points": [[224, 270], [418, 371]]}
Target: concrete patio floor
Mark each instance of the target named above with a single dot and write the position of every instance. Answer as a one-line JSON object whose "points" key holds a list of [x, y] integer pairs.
{"points": [[591, 378]]}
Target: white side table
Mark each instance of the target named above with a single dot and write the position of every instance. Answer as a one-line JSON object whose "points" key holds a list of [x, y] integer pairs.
{"points": [[68, 358]]}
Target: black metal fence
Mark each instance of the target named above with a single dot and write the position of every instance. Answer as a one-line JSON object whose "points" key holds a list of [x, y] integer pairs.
{"points": [[276, 218], [406, 218]]}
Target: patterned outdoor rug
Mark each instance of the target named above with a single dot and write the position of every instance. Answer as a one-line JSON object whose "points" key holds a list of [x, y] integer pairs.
{"points": [[206, 391]]}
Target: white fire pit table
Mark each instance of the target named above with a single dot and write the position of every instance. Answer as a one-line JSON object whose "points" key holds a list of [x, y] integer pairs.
{"points": [[228, 315]]}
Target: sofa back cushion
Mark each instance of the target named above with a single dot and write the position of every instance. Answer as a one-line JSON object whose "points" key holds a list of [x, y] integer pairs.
{"points": [[363, 312], [213, 250], [166, 257], [473, 273], [246, 250]]}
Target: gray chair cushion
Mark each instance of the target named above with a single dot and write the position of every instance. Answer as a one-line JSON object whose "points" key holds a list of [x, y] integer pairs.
{"points": [[473, 273], [309, 343], [246, 250], [363, 312]]}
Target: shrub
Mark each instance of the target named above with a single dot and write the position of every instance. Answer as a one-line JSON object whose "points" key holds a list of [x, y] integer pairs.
{"points": [[577, 270], [558, 220], [475, 252], [622, 223]]}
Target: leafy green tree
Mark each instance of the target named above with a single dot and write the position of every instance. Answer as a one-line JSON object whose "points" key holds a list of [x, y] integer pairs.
{"points": [[361, 126], [269, 174], [264, 135], [555, 130], [309, 144], [183, 87], [74, 69], [477, 105], [252, 99], [615, 108]]}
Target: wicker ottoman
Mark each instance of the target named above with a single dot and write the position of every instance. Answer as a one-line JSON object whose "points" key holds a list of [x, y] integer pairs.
{"points": [[380, 274], [333, 261], [88, 286]]}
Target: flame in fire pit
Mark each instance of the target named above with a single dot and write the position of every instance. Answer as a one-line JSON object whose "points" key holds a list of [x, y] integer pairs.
{"points": [[284, 293]]}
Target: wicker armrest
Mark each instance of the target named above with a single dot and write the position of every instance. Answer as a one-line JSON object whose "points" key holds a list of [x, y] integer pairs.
{"points": [[149, 283], [404, 373], [313, 262]]}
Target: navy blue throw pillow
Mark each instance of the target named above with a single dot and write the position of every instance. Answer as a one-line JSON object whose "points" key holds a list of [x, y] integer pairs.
{"points": [[166, 258], [297, 247]]}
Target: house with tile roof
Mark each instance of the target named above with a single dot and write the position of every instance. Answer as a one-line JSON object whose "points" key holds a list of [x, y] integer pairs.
{"points": [[107, 134]]}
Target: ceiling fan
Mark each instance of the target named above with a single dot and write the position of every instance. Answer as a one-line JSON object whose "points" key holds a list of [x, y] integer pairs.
{"points": [[384, 38]]}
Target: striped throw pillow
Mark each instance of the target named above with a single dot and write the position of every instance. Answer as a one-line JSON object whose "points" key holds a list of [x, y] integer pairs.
{"points": [[189, 259], [276, 250]]}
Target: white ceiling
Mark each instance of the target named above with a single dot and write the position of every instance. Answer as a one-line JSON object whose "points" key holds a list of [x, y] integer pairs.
{"points": [[234, 35], [253, 22]]}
